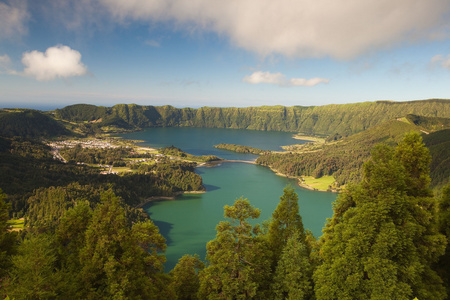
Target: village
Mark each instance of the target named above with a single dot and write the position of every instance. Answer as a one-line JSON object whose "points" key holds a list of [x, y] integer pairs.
{"points": [[91, 143], [151, 154]]}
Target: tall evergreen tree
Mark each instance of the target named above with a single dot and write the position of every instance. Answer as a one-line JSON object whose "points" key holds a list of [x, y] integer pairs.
{"points": [[292, 278], [35, 274], [121, 262], [185, 281], [238, 261], [291, 267], [7, 238], [285, 221], [71, 238], [8, 245], [383, 237], [443, 266]]}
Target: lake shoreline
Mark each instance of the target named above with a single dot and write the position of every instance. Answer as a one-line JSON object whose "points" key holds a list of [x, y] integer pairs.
{"points": [[300, 183], [166, 198], [188, 221]]}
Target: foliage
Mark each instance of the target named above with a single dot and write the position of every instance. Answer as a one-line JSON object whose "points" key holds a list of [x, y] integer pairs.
{"points": [[443, 265], [7, 239], [429, 123], [92, 254], [345, 119], [94, 155], [344, 159], [292, 278], [240, 148], [41, 185], [28, 123], [285, 221], [291, 267], [439, 145], [118, 261], [176, 152], [238, 262], [383, 239], [185, 281], [35, 274]]}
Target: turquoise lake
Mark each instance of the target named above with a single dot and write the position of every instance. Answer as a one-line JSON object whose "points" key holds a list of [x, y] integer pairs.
{"points": [[189, 222]]}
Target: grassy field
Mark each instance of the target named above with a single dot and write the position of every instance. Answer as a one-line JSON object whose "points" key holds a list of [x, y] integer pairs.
{"points": [[16, 224], [121, 169], [321, 183]]}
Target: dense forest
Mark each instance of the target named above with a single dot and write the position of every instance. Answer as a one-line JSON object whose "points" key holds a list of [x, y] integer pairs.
{"points": [[344, 158], [386, 240], [27, 166], [240, 148], [28, 123], [177, 152], [344, 119]]}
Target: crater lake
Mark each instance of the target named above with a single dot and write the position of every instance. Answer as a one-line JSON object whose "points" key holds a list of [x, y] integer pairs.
{"points": [[189, 222]]}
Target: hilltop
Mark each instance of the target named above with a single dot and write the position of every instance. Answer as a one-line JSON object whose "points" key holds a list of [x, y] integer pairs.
{"points": [[29, 123], [344, 119]]}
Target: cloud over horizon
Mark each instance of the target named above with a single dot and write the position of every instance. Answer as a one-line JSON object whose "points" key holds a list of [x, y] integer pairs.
{"points": [[299, 28], [442, 61], [57, 62], [281, 80]]}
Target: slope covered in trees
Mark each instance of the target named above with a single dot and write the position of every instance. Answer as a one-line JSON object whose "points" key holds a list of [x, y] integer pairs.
{"points": [[383, 239], [345, 119], [28, 123], [387, 239], [439, 145], [27, 168], [344, 159]]}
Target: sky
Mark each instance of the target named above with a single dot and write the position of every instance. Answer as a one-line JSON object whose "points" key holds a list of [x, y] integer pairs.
{"points": [[194, 53]]}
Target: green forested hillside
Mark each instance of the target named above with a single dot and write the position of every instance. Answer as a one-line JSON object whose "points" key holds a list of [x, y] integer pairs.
{"points": [[27, 166], [439, 145], [344, 159], [345, 119], [429, 123], [29, 123]]}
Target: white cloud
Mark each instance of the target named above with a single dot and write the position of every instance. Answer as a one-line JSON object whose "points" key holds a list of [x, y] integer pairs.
{"points": [[57, 62], [281, 80], [153, 43], [299, 28], [441, 60], [13, 16], [4, 61]]}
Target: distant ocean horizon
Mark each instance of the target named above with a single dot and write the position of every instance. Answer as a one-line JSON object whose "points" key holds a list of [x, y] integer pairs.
{"points": [[37, 106], [53, 106]]}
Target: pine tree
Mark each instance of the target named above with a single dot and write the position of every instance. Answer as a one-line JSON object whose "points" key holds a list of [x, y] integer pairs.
{"points": [[35, 274], [285, 221], [292, 279], [238, 261], [185, 281], [118, 261], [443, 265], [383, 238], [7, 239]]}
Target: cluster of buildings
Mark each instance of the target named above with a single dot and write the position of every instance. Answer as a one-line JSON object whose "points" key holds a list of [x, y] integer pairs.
{"points": [[95, 143]]}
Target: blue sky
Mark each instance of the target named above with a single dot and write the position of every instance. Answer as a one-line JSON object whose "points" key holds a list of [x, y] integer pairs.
{"points": [[193, 53]]}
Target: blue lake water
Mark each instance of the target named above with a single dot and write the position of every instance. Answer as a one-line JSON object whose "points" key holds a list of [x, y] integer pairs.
{"points": [[189, 222]]}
